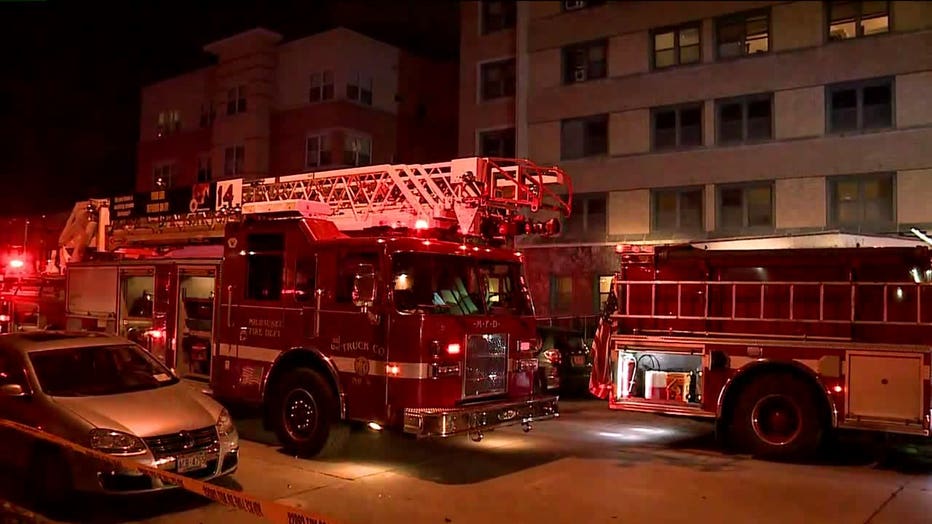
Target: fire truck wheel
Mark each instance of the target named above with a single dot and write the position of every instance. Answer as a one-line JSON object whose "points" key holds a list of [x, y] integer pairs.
{"points": [[305, 415], [777, 417]]}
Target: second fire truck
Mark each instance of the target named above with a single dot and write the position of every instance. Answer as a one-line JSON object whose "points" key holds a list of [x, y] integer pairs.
{"points": [[388, 295]]}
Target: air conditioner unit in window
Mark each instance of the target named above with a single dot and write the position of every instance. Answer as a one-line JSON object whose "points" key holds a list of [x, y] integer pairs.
{"points": [[580, 74], [572, 5]]}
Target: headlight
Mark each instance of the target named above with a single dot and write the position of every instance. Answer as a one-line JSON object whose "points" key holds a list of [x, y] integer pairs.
{"points": [[225, 423], [116, 442]]}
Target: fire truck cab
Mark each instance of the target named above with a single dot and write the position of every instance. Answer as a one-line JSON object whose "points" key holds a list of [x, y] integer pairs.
{"points": [[402, 308]]}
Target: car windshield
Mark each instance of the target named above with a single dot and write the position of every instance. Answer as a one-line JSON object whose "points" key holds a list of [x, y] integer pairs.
{"points": [[458, 285], [98, 370]]}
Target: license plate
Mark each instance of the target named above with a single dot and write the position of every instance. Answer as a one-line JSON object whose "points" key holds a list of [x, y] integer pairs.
{"points": [[191, 462], [579, 361]]}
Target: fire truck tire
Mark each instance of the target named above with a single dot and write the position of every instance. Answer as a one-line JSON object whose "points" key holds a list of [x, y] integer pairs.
{"points": [[777, 417], [305, 415]]}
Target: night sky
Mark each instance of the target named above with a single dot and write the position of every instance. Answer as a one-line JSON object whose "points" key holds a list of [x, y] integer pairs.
{"points": [[71, 73]]}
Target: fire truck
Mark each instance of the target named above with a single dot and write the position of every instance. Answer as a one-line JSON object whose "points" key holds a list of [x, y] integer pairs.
{"points": [[780, 341], [388, 295]]}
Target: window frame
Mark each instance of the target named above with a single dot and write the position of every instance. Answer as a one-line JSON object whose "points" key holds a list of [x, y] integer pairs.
{"points": [[580, 224], [585, 153], [347, 138], [567, 50], [236, 104], [678, 108], [499, 132], [161, 169], [586, 4], [236, 153], [743, 16], [504, 82], [832, 204], [744, 187], [484, 24], [744, 100], [204, 168], [362, 84], [827, 28], [680, 190], [556, 306], [326, 89], [652, 34], [859, 86], [323, 146]]}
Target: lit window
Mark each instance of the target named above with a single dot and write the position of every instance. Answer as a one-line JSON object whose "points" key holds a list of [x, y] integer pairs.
{"points": [[863, 201], [743, 34], [676, 46], [856, 19], [605, 287], [162, 176]]}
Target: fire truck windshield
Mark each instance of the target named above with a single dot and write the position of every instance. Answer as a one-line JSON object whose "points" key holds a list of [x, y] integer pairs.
{"points": [[457, 285]]}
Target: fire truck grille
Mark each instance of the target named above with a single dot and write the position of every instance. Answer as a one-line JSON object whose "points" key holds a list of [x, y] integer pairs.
{"points": [[486, 365], [203, 439]]}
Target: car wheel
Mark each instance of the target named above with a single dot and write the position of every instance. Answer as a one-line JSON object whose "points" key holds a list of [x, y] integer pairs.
{"points": [[777, 417], [305, 415], [49, 485]]}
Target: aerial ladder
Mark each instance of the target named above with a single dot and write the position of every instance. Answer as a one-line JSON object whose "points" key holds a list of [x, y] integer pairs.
{"points": [[474, 198]]}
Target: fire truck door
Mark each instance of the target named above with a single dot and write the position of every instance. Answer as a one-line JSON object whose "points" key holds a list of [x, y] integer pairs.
{"points": [[195, 321]]}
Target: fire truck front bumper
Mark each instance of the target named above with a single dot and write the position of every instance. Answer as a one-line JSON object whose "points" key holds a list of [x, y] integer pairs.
{"points": [[444, 422]]}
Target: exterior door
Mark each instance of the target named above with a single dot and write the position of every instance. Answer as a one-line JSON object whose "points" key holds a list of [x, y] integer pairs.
{"points": [[194, 330]]}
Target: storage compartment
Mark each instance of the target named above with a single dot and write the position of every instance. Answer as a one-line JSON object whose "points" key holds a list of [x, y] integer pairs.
{"points": [[658, 376], [885, 386]]}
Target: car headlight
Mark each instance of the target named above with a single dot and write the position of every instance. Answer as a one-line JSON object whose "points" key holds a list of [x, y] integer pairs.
{"points": [[225, 423], [116, 442]]}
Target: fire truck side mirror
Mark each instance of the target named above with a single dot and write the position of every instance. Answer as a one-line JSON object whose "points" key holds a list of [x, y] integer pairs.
{"points": [[364, 287]]}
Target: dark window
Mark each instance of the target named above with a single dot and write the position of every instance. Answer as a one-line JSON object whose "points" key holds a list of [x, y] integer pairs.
{"points": [[676, 45], [743, 34], [855, 19], [305, 279], [745, 119], [233, 160], [677, 126], [207, 115], [359, 88], [357, 150], [582, 62], [582, 137], [561, 293], [236, 100], [11, 370], [588, 219], [861, 105], [865, 200], [203, 168], [321, 87], [162, 176], [317, 151], [576, 5], [498, 15], [677, 209], [265, 264], [498, 143], [348, 266], [745, 206], [498, 79]]}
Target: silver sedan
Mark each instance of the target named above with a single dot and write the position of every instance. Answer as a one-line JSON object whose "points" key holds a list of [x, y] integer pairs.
{"points": [[108, 394]]}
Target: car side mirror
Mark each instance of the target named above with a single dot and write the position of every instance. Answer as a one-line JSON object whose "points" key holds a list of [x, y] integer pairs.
{"points": [[12, 390], [364, 287]]}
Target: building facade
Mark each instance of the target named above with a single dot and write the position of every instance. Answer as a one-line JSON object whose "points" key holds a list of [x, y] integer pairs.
{"points": [[694, 120], [270, 108]]}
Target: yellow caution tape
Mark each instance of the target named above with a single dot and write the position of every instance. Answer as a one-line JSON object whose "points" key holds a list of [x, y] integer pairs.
{"points": [[265, 509]]}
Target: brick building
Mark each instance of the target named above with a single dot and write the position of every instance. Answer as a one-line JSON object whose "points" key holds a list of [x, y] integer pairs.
{"points": [[696, 120]]}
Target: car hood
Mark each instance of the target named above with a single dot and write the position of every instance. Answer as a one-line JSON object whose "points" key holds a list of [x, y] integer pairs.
{"points": [[146, 413]]}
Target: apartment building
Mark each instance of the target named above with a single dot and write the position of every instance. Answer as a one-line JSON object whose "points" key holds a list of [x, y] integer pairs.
{"points": [[696, 120], [270, 108]]}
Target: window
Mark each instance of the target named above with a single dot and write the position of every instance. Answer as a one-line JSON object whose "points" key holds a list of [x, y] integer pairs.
{"points": [[561, 293], [497, 79], [743, 34], [498, 15], [498, 143], [169, 122], [203, 168], [162, 176], [321, 87], [236, 100], [856, 19], [588, 219], [861, 200], [677, 209], [861, 105], [265, 264], [745, 206], [582, 137], [605, 287], [576, 5], [677, 126], [346, 273], [233, 160], [357, 150], [11, 370], [359, 88], [744, 119], [207, 115], [676, 46], [317, 151], [305, 279], [582, 62]]}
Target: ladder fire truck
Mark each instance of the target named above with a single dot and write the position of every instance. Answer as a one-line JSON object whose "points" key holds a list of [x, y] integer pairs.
{"points": [[389, 295], [779, 345]]}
